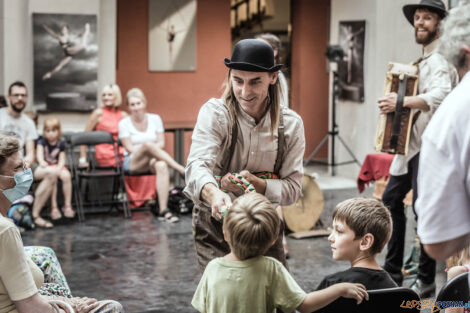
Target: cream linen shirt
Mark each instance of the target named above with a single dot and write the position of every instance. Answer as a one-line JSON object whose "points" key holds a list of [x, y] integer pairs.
{"points": [[437, 77], [255, 151], [20, 278]]}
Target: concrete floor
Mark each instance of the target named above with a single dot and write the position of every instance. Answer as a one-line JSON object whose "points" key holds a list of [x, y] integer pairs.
{"points": [[150, 266]]}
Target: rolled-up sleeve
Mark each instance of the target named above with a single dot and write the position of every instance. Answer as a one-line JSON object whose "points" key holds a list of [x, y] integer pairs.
{"points": [[441, 83], [208, 138], [287, 189]]}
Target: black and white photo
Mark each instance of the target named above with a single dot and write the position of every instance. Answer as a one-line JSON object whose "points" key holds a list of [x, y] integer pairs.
{"points": [[65, 62]]}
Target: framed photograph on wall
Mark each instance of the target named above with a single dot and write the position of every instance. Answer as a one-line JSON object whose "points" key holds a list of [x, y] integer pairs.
{"points": [[65, 62], [351, 68], [172, 35]]}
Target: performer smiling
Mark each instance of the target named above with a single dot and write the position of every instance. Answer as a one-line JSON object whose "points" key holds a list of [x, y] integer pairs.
{"points": [[436, 79], [246, 131]]}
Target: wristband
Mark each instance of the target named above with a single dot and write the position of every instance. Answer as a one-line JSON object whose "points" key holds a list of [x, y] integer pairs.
{"points": [[82, 160]]}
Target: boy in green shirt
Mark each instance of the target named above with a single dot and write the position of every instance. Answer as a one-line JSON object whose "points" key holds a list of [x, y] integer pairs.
{"points": [[246, 281]]}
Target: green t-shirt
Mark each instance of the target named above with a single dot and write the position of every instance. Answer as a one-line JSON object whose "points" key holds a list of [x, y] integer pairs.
{"points": [[256, 285]]}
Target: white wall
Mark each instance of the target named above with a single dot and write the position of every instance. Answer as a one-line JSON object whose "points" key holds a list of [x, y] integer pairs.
{"points": [[16, 47], [389, 37]]}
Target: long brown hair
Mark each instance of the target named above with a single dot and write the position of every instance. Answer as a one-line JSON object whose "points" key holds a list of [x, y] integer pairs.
{"points": [[274, 102]]}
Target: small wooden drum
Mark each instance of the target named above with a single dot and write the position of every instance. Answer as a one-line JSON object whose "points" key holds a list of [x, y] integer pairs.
{"points": [[303, 215]]}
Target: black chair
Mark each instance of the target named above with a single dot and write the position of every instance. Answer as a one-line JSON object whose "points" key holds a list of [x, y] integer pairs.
{"points": [[96, 173], [455, 289], [392, 300]]}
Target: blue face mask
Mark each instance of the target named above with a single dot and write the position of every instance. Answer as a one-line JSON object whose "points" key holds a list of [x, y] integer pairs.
{"points": [[23, 183]]}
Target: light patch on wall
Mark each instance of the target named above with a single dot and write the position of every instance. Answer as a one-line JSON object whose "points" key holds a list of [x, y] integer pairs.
{"points": [[172, 35]]}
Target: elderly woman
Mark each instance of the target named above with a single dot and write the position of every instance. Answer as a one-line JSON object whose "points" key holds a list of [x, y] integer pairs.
{"points": [[142, 135], [20, 278]]}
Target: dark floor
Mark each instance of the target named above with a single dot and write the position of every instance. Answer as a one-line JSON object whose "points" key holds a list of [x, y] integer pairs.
{"points": [[150, 266]]}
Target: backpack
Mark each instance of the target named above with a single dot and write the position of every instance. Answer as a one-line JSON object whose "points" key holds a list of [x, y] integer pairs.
{"points": [[178, 202], [21, 215]]}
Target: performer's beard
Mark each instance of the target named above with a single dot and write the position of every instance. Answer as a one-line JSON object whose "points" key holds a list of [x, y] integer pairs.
{"points": [[431, 35]]}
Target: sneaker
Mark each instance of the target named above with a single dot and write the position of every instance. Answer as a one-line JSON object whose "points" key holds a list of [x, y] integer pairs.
{"points": [[424, 290]]}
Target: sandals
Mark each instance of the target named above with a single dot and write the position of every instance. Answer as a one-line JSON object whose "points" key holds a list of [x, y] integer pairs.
{"points": [[68, 212], [166, 215], [40, 222], [55, 214]]}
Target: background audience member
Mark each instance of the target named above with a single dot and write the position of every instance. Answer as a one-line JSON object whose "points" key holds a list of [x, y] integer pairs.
{"points": [[142, 135], [20, 277], [51, 158], [105, 118], [276, 44], [246, 281], [456, 265], [13, 120]]}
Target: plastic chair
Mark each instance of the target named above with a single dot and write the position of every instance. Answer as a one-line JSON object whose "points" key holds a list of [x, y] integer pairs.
{"points": [[391, 300], [455, 289], [95, 172]]}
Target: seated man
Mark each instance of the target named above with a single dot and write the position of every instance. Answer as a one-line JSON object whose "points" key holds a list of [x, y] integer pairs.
{"points": [[361, 229]]}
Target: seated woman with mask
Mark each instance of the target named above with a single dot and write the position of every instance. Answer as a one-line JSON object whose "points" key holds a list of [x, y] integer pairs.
{"points": [[20, 278]]}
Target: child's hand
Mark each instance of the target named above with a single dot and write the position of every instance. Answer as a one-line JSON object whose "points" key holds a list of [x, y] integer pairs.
{"points": [[354, 291], [43, 164]]}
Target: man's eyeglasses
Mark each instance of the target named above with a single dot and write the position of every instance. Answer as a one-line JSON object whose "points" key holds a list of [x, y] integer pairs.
{"points": [[17, 95]]}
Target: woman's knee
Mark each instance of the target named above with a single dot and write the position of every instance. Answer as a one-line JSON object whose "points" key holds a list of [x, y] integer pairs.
{"points": [[52, 173], [160, 167], [65, 175]]}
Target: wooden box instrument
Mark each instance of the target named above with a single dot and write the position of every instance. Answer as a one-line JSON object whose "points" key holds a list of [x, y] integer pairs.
{"points": [[394, 129]]}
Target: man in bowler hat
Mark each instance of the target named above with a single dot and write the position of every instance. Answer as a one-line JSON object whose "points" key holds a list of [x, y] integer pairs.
{"points": [[246, 131], [436, 79]]}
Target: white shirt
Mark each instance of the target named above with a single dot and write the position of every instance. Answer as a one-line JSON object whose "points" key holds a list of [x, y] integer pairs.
{"points": [[437, 77], [128, 130], [443, 206], [23, 126]]}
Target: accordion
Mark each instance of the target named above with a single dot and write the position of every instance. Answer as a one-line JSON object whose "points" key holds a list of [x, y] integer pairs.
{"points": [[394, 129]]}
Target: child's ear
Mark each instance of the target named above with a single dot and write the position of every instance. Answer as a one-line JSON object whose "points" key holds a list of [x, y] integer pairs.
{"points": [[225, 235], [366, 242]]}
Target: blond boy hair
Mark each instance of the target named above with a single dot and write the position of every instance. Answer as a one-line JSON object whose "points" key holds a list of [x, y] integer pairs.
{"points": [[366, 216], [251, 225]]}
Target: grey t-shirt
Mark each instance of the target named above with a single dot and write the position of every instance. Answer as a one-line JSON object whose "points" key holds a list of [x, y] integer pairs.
{"points": [[23, 126]]}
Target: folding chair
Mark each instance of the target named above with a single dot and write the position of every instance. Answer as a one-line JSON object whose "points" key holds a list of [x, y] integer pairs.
{"points": [[391, 300], [455, 290], [95, 172]]}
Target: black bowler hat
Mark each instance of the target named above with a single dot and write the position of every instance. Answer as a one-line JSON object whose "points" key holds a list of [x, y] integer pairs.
{"points": [[252, 55], [433, 5]]}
